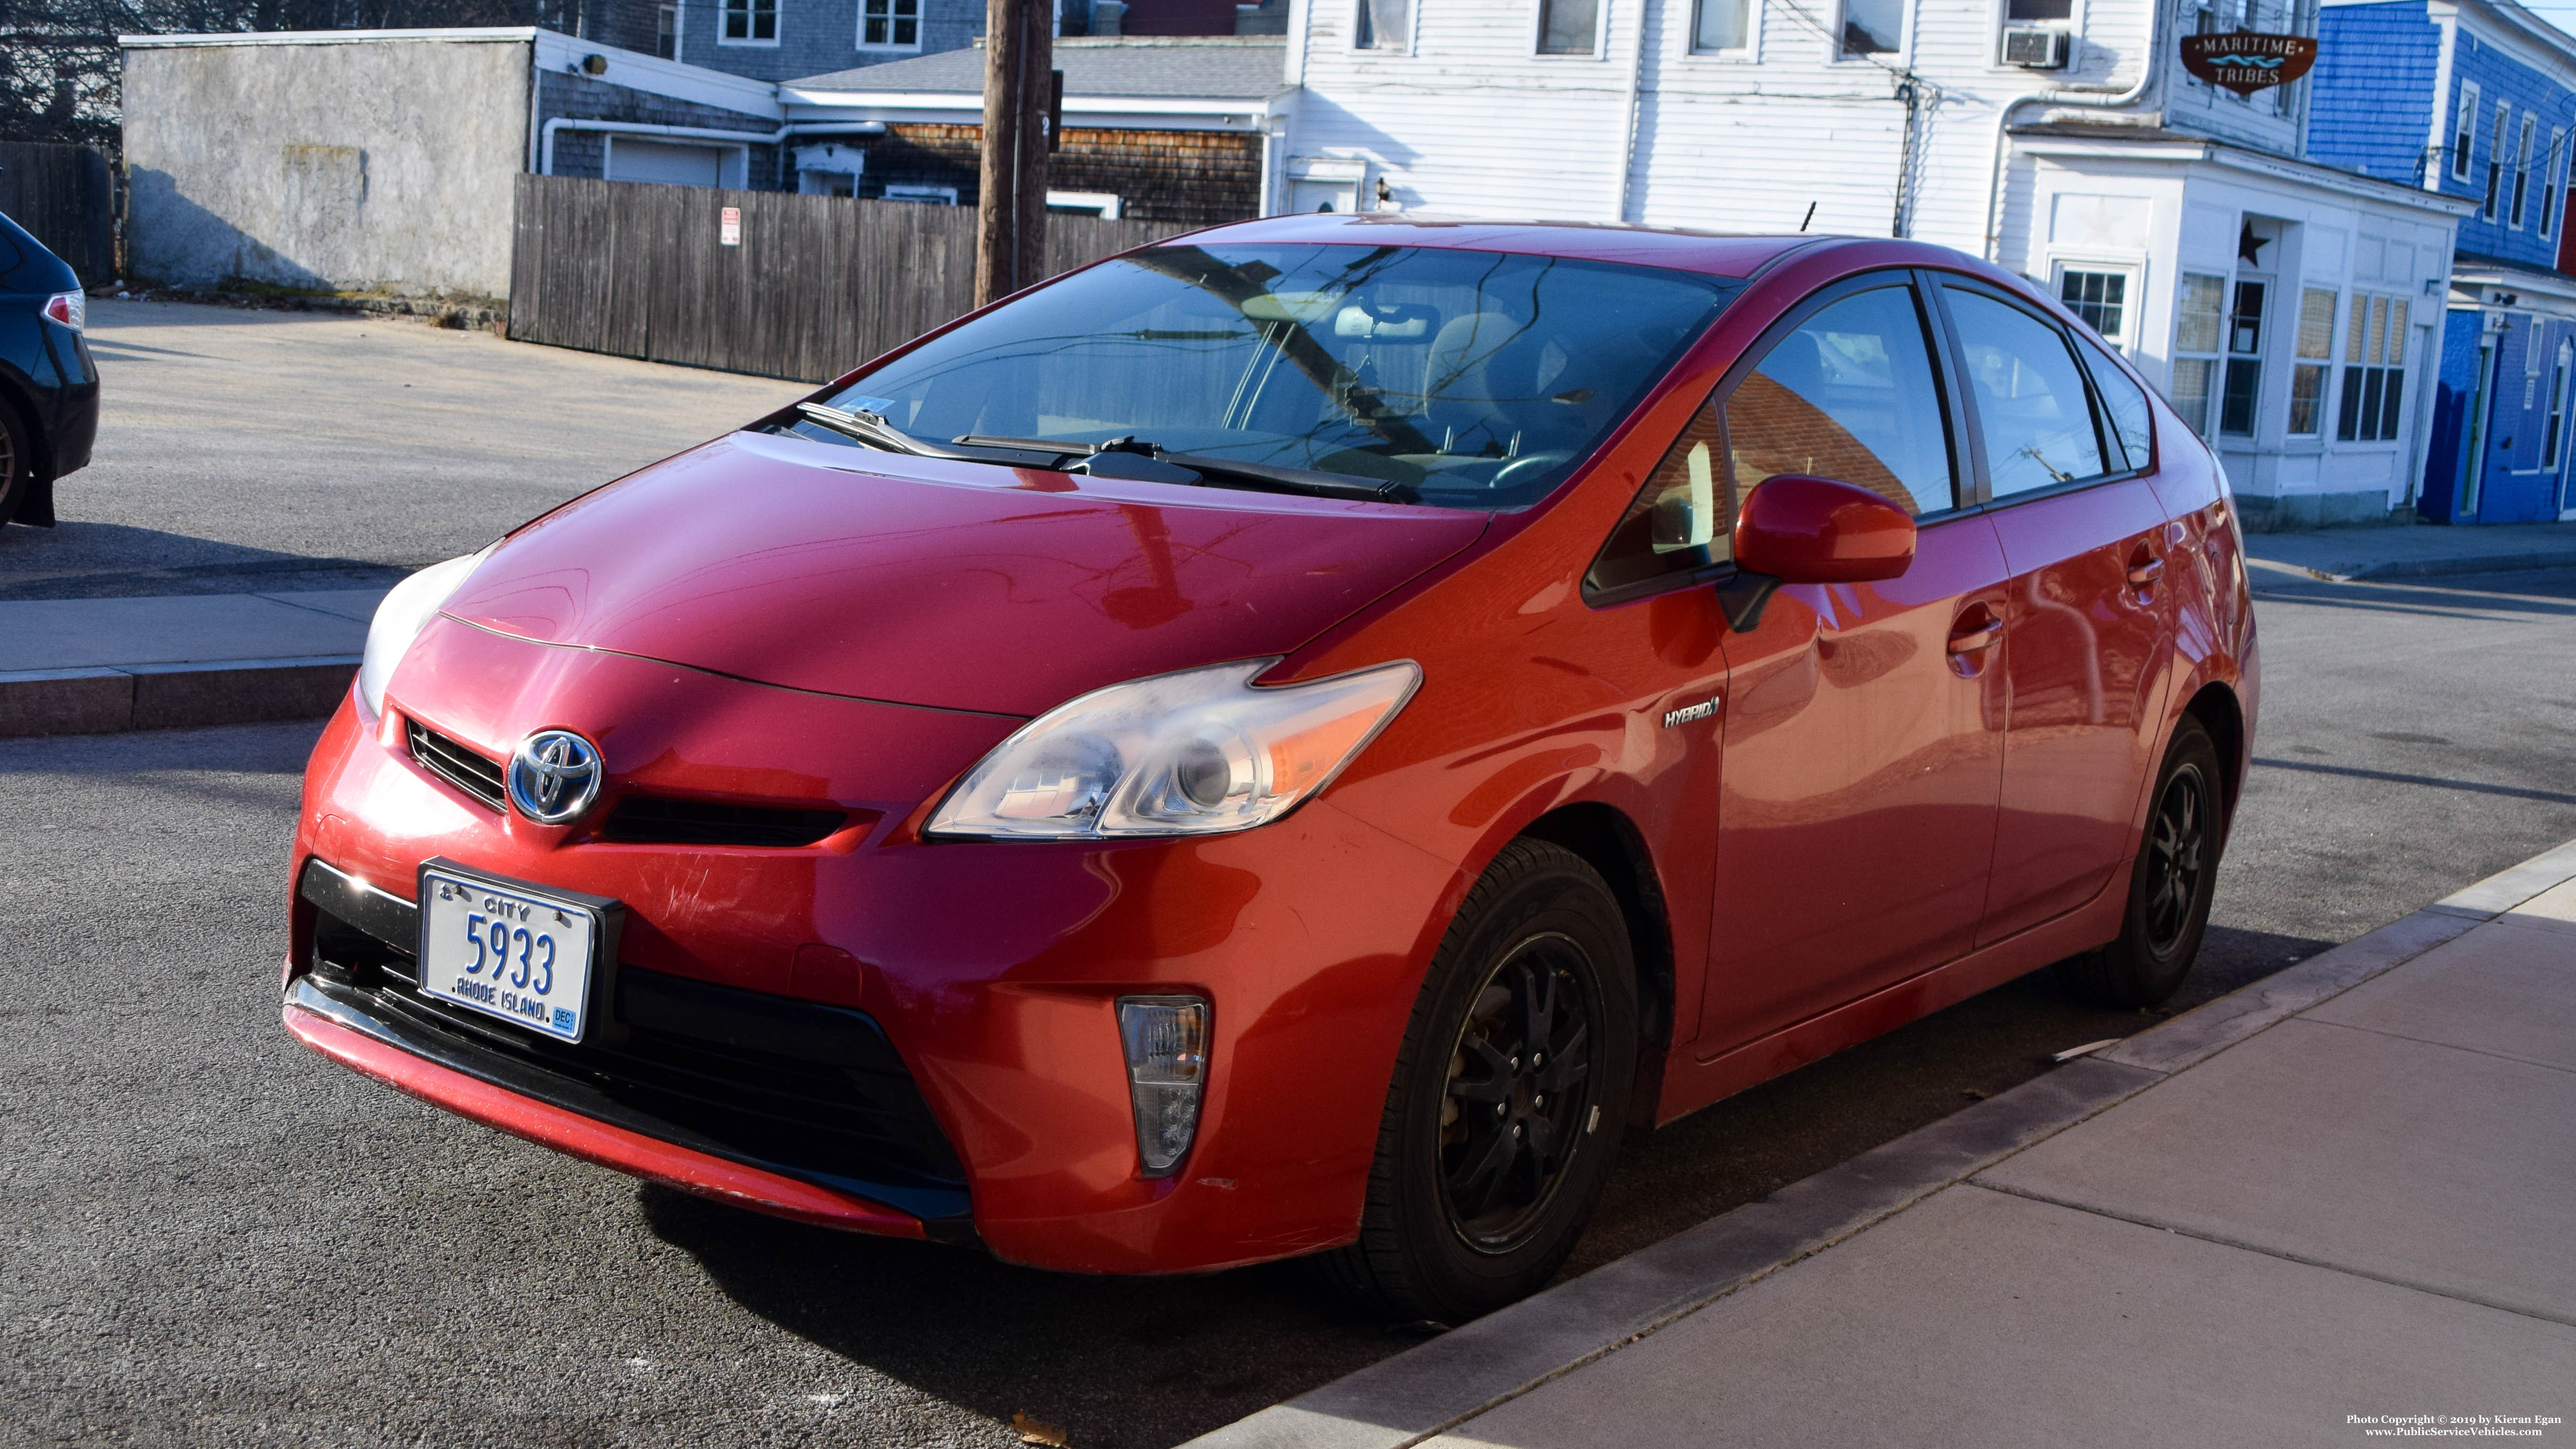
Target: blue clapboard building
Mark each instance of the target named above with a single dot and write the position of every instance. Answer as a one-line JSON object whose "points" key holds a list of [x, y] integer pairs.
{"points": [[2475, 101]]}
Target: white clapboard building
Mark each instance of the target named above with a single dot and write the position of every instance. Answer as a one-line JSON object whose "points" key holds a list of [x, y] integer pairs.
{"points": [[2060, 138]]}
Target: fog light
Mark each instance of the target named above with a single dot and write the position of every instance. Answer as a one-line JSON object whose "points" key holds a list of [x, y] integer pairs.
{"points": [[1166, 1042]]}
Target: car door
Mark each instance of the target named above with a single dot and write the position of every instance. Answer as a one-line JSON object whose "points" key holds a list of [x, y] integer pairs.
{"points": [[2088, 631], [1863, 727]]}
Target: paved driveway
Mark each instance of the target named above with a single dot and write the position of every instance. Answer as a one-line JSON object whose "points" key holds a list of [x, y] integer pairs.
{"points": [[248, 451]]}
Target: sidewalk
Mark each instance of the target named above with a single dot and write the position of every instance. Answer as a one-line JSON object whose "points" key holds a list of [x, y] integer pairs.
{"points": [[86, 666], [2420, 552], [2343, 1192]]}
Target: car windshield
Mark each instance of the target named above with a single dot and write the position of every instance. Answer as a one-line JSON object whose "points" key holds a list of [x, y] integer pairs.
{"points": [[1466, 379]]}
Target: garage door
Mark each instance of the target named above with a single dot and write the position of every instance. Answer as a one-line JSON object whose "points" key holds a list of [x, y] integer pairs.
{"points": [[672, 165]]}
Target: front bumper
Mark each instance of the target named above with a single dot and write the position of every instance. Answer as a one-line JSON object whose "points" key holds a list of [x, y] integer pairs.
{"points": [[991, 968]]}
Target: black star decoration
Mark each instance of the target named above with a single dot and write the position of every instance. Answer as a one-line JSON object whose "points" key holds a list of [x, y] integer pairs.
{"points": [[2249, 247]]}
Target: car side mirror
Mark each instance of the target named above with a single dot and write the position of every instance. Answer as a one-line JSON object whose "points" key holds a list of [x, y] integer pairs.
{"points": [[1798, 529]]}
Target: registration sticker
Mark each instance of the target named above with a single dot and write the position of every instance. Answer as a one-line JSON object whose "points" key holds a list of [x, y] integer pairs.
{"points": [[516, 952]]}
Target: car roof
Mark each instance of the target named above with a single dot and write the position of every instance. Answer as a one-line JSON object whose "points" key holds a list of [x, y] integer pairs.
{"points": [[1715, 253]]}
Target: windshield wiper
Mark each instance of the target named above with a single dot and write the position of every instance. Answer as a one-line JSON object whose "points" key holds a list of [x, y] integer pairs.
{"points": [[1261, 475], [869, 428]]}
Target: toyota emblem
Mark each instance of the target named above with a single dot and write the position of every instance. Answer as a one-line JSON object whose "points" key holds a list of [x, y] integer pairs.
{"points": [[554, 776]]}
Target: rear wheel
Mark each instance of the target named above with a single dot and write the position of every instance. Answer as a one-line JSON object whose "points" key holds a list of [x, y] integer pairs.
{"points": [[2170, 887], [1510, 1092]]}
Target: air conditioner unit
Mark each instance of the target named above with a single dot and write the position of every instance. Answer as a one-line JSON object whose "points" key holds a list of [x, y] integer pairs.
{"points": [[2033, 48]]}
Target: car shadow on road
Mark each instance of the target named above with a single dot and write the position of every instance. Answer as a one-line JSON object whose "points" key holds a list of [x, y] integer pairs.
{"points": [[1153, 1361], [1118, 1362], [77, 559]]}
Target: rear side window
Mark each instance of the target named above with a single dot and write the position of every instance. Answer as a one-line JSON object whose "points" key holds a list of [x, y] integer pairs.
{"points": [[2030, 397], [2133, 430], [1848, 393]]}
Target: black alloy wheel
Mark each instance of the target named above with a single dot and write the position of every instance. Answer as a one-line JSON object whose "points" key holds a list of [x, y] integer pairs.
{"points": [[1509, 1096], [2170, 886], [2176, 857], [1518, 1094]]}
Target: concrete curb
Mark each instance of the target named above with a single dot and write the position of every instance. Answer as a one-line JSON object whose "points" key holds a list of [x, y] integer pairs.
{"points": [[1427, 1390], [171, 696], [2420, 568]]}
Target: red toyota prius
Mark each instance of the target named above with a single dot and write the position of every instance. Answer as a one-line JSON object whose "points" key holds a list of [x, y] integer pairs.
{"points": [[1295, 740]]}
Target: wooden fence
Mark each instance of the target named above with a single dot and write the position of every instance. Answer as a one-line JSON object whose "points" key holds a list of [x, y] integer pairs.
{"points": [[814, 286], [65, 197]]}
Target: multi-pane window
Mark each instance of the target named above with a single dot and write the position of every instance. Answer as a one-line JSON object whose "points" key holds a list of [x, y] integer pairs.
{"points": [[751, 22], [666, 31], [895, 24], [1382, 25], [2244, 381], [2522, 166], [2197, 334], [2495, 159], [2549, 173], [1569, 27], [2315, 349], [2374, 374], [2464, 132], [1722, 25], [1871, 27], [2100, 298]]}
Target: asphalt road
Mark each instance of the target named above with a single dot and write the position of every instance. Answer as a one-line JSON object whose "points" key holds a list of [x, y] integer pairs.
{"points": [[211, 1236]]}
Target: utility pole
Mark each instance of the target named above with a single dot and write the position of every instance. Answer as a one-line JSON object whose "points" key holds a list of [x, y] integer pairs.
{"points": [[1019, 97]]}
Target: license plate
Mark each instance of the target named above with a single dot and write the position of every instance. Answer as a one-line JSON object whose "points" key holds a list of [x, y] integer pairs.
{"points": [[507, 950]]}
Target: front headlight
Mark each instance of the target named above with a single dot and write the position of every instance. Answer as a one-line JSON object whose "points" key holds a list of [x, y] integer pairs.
{"points": [[1194, 753], [407, 610]]}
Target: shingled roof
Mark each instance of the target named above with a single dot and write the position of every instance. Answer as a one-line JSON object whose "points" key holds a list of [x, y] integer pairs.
{"points": [[1177, 67]]}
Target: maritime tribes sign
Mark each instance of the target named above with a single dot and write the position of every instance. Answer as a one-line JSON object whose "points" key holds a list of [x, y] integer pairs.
{"points": [[2245, 62]]}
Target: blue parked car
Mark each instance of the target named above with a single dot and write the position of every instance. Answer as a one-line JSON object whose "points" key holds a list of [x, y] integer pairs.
{"points": [[48, 385]]}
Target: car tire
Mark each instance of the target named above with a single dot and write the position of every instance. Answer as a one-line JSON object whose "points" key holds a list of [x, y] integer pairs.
{"points": [[2170, 887], [17, 464], [1490, 1155]]}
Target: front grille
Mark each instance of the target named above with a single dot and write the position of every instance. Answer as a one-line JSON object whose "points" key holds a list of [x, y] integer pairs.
{"points": [[657, 820], [454, 763], [797, 1087]]}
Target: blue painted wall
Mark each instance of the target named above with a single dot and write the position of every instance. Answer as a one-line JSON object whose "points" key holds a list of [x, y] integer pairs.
{"points": [[2371, 94], [2374, 111]]}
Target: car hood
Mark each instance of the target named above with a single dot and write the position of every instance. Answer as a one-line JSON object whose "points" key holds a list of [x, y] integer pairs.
{"points": [[930, 582]]}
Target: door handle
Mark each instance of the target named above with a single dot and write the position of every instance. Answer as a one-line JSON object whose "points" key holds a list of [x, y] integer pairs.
{"points": [[1978, 640], [2147, 573]]}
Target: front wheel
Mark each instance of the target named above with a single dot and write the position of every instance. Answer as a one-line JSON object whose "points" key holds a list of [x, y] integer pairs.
{"points": [[1510, 1091], [2170, 887]]}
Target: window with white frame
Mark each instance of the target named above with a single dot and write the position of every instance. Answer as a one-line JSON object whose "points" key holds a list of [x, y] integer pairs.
{"points": [[1382, 25], [2551, 168], [2045, 14], [749, 22], [2374, 374], [2313, 349], [890, 24], [2197, 329], [1870, 27], [1722, 25], [2242, 397], [1569, 27], [666, 31], [2464, 133], [2495, 159], [2522, 167], [2100, 297]]}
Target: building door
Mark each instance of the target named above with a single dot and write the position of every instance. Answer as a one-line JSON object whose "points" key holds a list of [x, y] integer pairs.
{"points": [[2474, 462], [2521, 482], [630, 159]]}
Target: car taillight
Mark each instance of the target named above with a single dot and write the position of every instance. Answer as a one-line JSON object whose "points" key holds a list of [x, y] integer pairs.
{"points": [[69, 308]]}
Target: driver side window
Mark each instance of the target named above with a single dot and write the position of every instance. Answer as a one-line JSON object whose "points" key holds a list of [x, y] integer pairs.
{"points": [[1849, 393]]}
